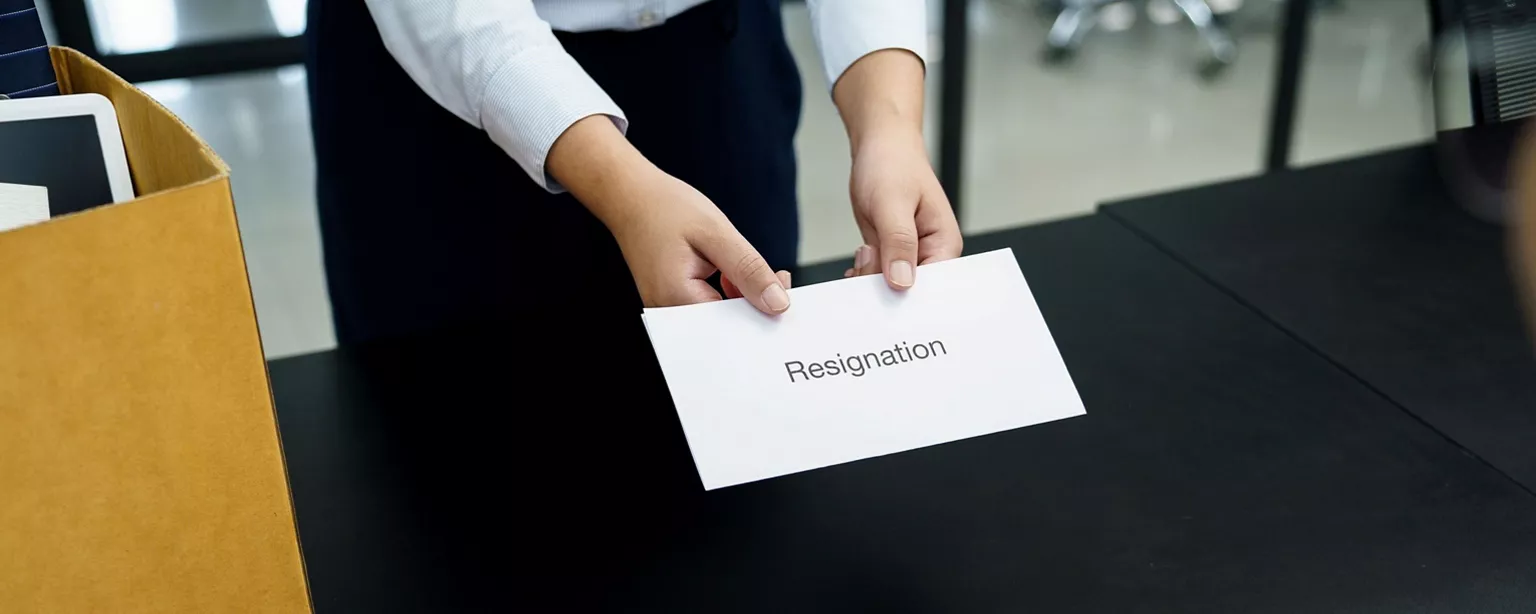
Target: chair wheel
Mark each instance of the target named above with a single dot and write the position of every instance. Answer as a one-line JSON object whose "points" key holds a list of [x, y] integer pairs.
{"points": [[1213, 68], [1054, 55], [1223, 53]]}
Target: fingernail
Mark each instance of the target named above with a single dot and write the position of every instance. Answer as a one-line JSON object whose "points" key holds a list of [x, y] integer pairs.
{"points": [[775, 298], [862, 256], [901, 273]]}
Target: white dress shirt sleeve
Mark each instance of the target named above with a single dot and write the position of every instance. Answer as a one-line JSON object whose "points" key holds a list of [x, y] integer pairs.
{"points": [[498, 66], [847, 30]]}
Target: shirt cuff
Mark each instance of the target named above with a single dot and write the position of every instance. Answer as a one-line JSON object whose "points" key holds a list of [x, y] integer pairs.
{"points": [[533, 98], [847, 30]]}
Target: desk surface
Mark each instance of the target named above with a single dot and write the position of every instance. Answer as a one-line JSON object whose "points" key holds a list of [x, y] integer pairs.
{"points": [[1222, 467], [1371, 263]]}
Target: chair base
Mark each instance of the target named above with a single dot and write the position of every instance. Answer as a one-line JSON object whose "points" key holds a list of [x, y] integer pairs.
{"points": [[1076, 18]]}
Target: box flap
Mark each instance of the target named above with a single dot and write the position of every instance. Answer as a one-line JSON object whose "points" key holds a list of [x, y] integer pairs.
{"points": [[163, 152]]}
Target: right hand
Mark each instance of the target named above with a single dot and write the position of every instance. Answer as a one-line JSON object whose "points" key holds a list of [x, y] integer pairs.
{"points": [[674, 238]]}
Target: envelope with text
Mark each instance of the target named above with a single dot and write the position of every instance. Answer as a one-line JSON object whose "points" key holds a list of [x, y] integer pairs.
{"points": [[856, 370]]}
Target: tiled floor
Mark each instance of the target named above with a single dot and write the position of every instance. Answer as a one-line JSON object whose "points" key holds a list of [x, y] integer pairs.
{"points": [[1128, 116]]}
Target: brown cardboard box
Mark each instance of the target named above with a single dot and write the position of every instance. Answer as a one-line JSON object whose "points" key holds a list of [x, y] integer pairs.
{"points": [[140, 467]]}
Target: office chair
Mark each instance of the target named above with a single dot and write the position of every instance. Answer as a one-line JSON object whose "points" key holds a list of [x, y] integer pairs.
{"points": [[1075, 18]]}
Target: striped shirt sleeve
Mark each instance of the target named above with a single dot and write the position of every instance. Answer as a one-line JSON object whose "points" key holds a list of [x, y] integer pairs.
{"points": [[498, 66]]}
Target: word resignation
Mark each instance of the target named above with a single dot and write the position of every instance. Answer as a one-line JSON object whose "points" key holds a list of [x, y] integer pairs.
{"points": [[858, 365]]}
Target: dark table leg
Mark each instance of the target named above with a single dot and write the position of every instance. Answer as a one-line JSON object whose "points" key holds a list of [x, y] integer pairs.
{"points": [[1282, 113], [952, 88]]}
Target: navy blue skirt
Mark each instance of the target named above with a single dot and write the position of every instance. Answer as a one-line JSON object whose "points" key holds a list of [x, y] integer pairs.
{"points": [[426, 222]]}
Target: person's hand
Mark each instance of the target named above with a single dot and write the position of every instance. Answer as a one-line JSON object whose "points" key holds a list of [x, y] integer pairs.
{"points": [[672, 237], [678, 238], [902, 212]]}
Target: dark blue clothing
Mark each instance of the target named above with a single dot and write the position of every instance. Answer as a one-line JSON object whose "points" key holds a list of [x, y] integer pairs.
{"points": [[427, 222]]}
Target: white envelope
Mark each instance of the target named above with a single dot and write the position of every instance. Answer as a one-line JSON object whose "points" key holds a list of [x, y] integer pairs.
{"points": [[855, 369]]}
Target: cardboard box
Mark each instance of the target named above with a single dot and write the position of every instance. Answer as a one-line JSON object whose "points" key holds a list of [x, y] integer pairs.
{"points": [[140, 465]]}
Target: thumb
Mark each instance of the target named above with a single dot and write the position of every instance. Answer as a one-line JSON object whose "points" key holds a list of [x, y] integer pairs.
{"points": [[746, 269], [897, 231]]}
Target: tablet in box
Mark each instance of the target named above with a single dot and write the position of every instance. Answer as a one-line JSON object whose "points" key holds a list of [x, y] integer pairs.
{"points": [[68, 144]]}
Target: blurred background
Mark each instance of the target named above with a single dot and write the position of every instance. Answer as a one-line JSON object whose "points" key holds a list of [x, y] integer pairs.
{"points": [[1039, 109]]}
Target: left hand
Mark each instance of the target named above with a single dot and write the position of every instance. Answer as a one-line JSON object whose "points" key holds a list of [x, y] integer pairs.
{"points": [[902, 212], [901, 209]]}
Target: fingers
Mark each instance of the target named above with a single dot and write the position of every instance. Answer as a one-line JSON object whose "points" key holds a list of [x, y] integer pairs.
{"points": [[897, 251], [865, 262], [941, 239], [693, 292], [746, 270], [731, 291]]}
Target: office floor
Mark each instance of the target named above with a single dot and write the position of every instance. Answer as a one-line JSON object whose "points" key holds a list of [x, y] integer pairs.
{"points": [[1127, 116]]}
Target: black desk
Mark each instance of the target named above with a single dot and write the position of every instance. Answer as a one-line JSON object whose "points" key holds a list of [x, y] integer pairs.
{"points": [[1371, 263], [1222, 467]]}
